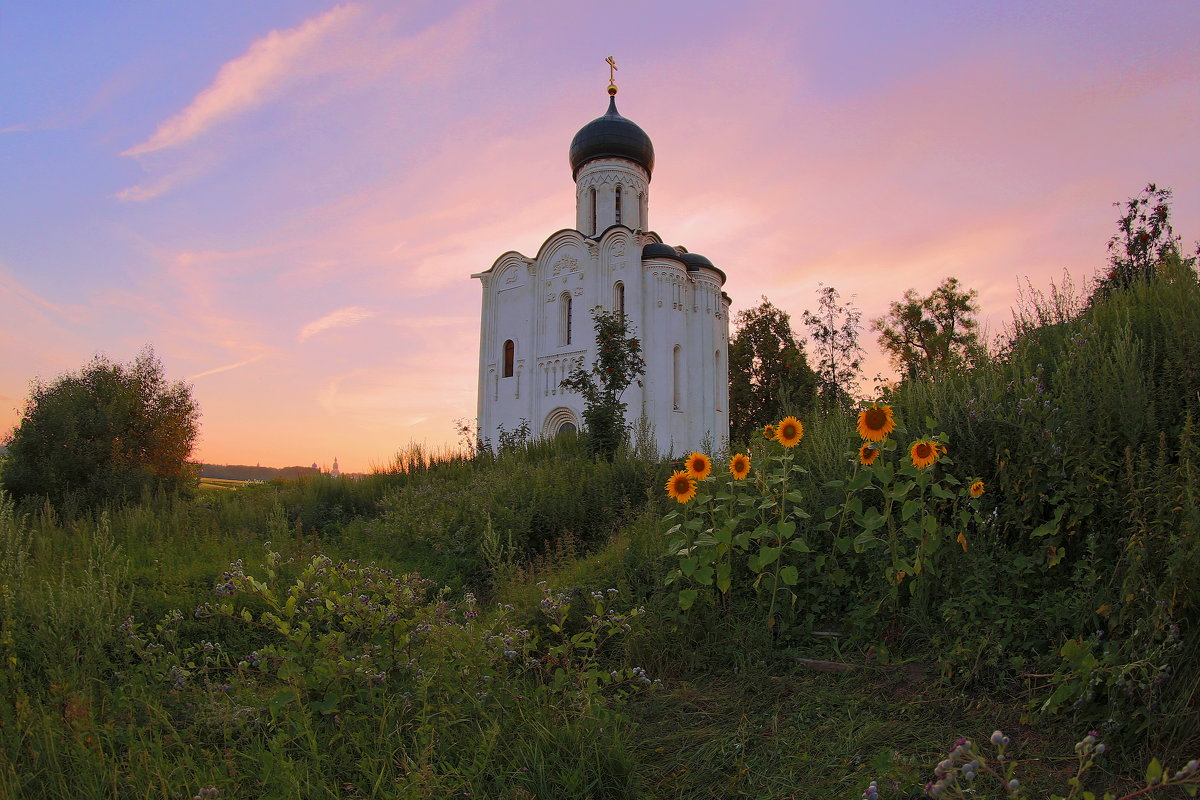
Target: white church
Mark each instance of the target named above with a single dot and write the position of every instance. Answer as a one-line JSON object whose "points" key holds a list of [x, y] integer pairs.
{"points": [[536, 324]]}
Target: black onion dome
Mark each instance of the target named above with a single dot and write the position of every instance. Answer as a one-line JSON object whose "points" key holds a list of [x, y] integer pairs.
{"points": [[657, 250], [695, 261], [611, 136]]}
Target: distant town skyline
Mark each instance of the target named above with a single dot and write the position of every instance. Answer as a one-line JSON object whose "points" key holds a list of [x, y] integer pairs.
{"points": [[287, 199]]}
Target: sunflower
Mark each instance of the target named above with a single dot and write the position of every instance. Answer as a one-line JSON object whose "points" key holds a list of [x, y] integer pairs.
{"points": [[925, 453], [789, 432], [867, 454], [976, 488], [698, 466], [875, 422], [739, 465], [768, 431], [681, 487]]}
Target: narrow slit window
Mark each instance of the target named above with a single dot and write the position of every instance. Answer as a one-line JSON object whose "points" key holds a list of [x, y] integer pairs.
{"points": [[717, 380], [677, 376], [510, 350], [592, 210], [566, 318], [618, 206]]}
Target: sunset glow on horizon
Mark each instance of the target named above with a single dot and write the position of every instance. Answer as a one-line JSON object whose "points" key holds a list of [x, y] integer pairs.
{"points": [[287, 200]]}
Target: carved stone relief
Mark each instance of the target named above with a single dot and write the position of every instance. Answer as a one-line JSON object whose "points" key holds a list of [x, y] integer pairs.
{"points": [[565, 263]]}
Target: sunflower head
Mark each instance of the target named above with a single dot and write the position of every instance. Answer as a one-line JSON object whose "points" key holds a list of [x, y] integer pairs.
{"points": [[789, 432], [925, 453], [681, 487], [976, 489], [739, 466], [875, 422], [768, 431], [867, 454], [698, 466]]}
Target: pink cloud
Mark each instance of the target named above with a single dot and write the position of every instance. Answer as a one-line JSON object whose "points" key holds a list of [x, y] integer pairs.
{"points": [[247, 81], [341, 318]]}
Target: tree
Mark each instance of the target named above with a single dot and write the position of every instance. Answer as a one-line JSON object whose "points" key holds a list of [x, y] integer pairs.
{"points": [[1144, 241], [768, 372], [834, 330], [103, 435], [930, 335], [618, 363]]}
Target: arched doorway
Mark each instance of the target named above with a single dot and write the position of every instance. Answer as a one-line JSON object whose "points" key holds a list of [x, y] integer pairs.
{"points": [[560, 421]]}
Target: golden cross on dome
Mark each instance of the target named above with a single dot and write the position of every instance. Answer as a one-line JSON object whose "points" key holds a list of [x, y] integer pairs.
{"points": [[612, 73]]}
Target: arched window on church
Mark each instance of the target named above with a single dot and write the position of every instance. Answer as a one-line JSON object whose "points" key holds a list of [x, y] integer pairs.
{"points": [[677, 377], [618, 207], [510, 350], [619, 298], [566, 318], [592, 211]]}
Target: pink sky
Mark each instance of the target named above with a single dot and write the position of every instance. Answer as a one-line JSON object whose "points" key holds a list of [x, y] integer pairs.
{"points": [[288, 202]]}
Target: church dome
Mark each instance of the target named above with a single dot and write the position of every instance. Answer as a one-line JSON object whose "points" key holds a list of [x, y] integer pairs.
{"points": [[658, 250], [611, 136], [695, 261]]}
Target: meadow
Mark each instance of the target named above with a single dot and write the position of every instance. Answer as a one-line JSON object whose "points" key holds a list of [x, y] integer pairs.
{"points": [[541, 624]]}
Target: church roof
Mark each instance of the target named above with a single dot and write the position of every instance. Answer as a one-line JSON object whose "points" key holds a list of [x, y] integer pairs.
{"points": [[611, 136]]}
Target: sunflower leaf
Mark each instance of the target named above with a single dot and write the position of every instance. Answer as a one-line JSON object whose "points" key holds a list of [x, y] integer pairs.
{"points": [[863, 540], [859, 481], [687, 597], [724, 581], [941, 492]]}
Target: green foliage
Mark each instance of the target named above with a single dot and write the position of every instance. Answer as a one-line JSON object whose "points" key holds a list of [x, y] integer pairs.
{"points": [[739, 530], [932, 335], [914, 521], [1144, 242], [618, 363], [834, 331], [104, 435], [1083, 429], [769, 375]]}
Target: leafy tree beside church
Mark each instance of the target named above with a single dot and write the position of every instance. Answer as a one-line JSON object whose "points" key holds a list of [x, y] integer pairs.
{"points": [[618, 363], [769, 375]]}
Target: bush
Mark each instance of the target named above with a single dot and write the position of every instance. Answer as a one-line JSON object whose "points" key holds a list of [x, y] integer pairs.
{"points": [[105, 435]]}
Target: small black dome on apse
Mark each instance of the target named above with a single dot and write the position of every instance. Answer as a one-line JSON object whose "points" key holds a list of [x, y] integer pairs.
{"points": [[611, 136]]}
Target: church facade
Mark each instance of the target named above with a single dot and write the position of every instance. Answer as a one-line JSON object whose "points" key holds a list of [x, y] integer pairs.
{"points": [[536, 323]]}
